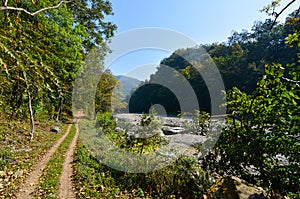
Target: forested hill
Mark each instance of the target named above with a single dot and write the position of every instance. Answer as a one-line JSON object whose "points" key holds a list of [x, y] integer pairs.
{"points": [[127, 83], [241, 61]]}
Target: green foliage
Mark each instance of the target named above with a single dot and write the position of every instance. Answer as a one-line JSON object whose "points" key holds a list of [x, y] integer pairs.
{"points": [[146, 140], [91, 19], [92, 179], [40, 55], [260, 142], [108, 97], [241, 61], [146, 120], [182, 179], [269, 9], [149, 94], [201, 121], [293, 39], [88, 77], [106, 122], [5, 158], [30, 50]]}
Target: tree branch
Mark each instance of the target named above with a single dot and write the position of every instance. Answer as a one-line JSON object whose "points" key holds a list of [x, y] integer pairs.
{"points": [[281, 11], [5, 7], [297, 12], [293, 81]]}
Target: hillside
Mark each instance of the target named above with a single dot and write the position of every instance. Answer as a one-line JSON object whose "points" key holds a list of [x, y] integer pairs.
{"points": [[241, 62], [128, 83]]}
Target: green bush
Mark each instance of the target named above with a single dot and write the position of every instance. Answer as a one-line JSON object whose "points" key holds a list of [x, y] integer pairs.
{"points": [[263, 128], [182, 179]]}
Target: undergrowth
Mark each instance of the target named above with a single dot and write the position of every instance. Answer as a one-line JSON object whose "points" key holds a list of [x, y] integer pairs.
{"points": [[18, 154], [94, 180]]}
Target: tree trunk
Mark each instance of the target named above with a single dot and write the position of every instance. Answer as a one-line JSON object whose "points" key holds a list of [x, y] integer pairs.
{"points": [[31, 115], [29, 107], [59, 110]]}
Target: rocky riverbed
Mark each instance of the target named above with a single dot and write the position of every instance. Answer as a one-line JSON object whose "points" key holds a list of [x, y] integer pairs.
{"points": [[182, 134]]}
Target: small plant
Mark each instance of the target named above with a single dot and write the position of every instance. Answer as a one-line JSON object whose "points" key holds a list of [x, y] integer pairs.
{"points": [[146, 120], [201, 122], [141, 192], [148, 138], [145, 139], [106, 121], [6, 157]]}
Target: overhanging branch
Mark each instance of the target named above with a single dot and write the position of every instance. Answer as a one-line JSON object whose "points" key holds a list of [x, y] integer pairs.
{"points": [[5, 7], [281, 11], [293, 81], [5, 3]]}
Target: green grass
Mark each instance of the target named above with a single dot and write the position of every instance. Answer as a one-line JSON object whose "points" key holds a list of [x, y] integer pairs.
{"points": [[49, 181], [92, 180], [18, 155], [95, 180]]}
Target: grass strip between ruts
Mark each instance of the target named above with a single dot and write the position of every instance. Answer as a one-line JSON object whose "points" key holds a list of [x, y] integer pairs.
{"points": [[49, 181]]}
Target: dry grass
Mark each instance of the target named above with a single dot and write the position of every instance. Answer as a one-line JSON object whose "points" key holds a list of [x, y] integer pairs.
{"points": [[18, 154]]}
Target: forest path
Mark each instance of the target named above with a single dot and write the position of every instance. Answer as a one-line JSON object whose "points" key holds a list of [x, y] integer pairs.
{"points": [[66, 190], [65, 185], [28, 186]]}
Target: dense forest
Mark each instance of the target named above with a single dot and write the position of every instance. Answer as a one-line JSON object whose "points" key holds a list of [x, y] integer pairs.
{"points": [[42, 49], [241, 62]]}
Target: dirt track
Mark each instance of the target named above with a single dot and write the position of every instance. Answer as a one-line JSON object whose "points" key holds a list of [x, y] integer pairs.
{"points": [[27, 188], [65, 185]]}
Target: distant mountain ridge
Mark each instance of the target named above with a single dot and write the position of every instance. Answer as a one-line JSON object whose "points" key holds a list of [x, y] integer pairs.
{"points": [[128, 83]]}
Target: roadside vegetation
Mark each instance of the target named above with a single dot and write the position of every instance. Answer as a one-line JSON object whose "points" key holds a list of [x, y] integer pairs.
{"points": [[95, 180], [259, 143], [41, 50], [18, 154]]}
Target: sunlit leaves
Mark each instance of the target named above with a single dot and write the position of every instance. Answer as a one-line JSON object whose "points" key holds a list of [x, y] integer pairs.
{"points": [[293, 39], [263, 127], [26, 50]]}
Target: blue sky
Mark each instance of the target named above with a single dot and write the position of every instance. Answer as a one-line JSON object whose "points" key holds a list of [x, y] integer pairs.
{"points": [[203, 21]]}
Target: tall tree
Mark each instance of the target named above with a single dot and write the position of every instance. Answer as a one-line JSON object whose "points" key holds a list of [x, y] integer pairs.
{"points": [[42, 46], [108, 97]]}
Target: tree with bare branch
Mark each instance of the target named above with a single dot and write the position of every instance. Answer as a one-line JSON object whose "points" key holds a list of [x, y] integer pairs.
{"points": [[42, 45], [7, 7]]}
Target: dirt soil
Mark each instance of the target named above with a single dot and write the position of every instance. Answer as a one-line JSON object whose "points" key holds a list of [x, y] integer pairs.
{"points": [[66, 190]]}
